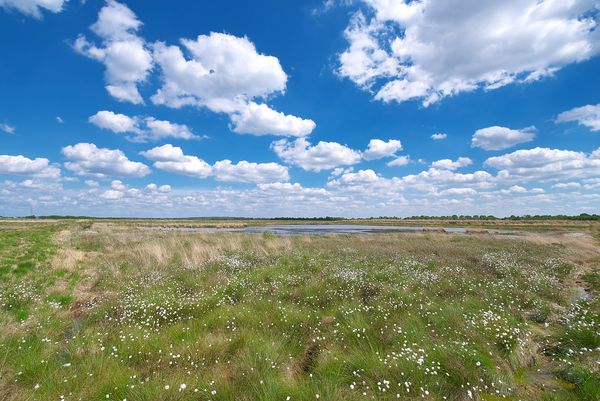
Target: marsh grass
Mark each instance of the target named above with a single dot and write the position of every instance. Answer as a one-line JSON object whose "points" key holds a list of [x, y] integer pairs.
{"points": [[110, 311]]}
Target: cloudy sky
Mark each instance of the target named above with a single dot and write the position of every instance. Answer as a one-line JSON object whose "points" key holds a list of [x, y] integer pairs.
{"points": [[299, 108]]}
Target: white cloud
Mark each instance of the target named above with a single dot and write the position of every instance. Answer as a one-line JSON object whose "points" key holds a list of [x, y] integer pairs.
{"points": [[399, 161], [517, 189], [591, 183], [223, 68], [499, 138], [171, 158], [160, 129], [588, 116], [566, 185], [112, 194], [435, 176], [143, 129], [118, 185], [92, 183], [260, 119], [287, 187], [544, 164], [164, 189], [34, 7], [115, 122], [87, 159], [221, 72], [116, 21], [336, 172], [432, 49], [437, 137], [322, 156], [225, 74], [23, 166], [9, 129], [245, 171], [325, 6], [452, 165], [363, 193], [359, 178], [458, 191], [431, 181], [124, 54], [164, 153], [378, 149]]}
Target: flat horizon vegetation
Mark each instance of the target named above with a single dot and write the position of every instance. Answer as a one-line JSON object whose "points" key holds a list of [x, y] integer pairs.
{"points": [[107, 311]]}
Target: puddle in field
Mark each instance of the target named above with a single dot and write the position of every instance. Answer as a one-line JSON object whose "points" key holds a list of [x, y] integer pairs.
{"points": [[323, 229], [579, 294]]}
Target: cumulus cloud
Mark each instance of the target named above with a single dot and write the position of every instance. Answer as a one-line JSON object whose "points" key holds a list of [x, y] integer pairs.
{"points": [[428, 50], [361, 177], [287, 187], [457, 191], [22, 166], [160, 129], [437, 182], [222, 69], [86, 159], [152, 187], [118, 185], [171, 158], [545, 164], [141, 129], [260, 119], [225, 73], [435, 176], [588, 116], [437, 137], [115, 122], [348, 193], [400, 189], [34, 7], [378, 149], [112, 194], [322, 156], [452, 165], [9, 129], [567, 185], [125, 55], [514, 189], [221, 72], [499, 138], [244, 171], [399, 161]]}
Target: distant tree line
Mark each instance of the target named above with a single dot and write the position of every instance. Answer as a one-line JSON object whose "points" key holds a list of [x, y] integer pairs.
{"points": [[580, 217]]}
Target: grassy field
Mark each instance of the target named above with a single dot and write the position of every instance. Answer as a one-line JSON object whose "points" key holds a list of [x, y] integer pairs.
{"points": [[102, 310]]}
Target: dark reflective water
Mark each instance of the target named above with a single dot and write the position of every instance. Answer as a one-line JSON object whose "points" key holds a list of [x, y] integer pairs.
{"points": [[312, 229]]}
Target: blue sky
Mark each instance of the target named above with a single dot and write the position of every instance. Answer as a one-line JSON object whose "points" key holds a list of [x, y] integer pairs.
{"points": [[305, 108]]}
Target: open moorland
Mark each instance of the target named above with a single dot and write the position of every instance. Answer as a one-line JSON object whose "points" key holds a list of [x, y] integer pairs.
{"points": [[108, 310]]}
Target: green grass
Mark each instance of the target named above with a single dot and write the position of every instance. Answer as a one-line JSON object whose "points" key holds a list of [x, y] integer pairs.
{"points": [[155, 316]]}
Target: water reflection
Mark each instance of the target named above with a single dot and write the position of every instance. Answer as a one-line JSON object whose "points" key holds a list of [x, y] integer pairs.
{"points": [[318, 229]]}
